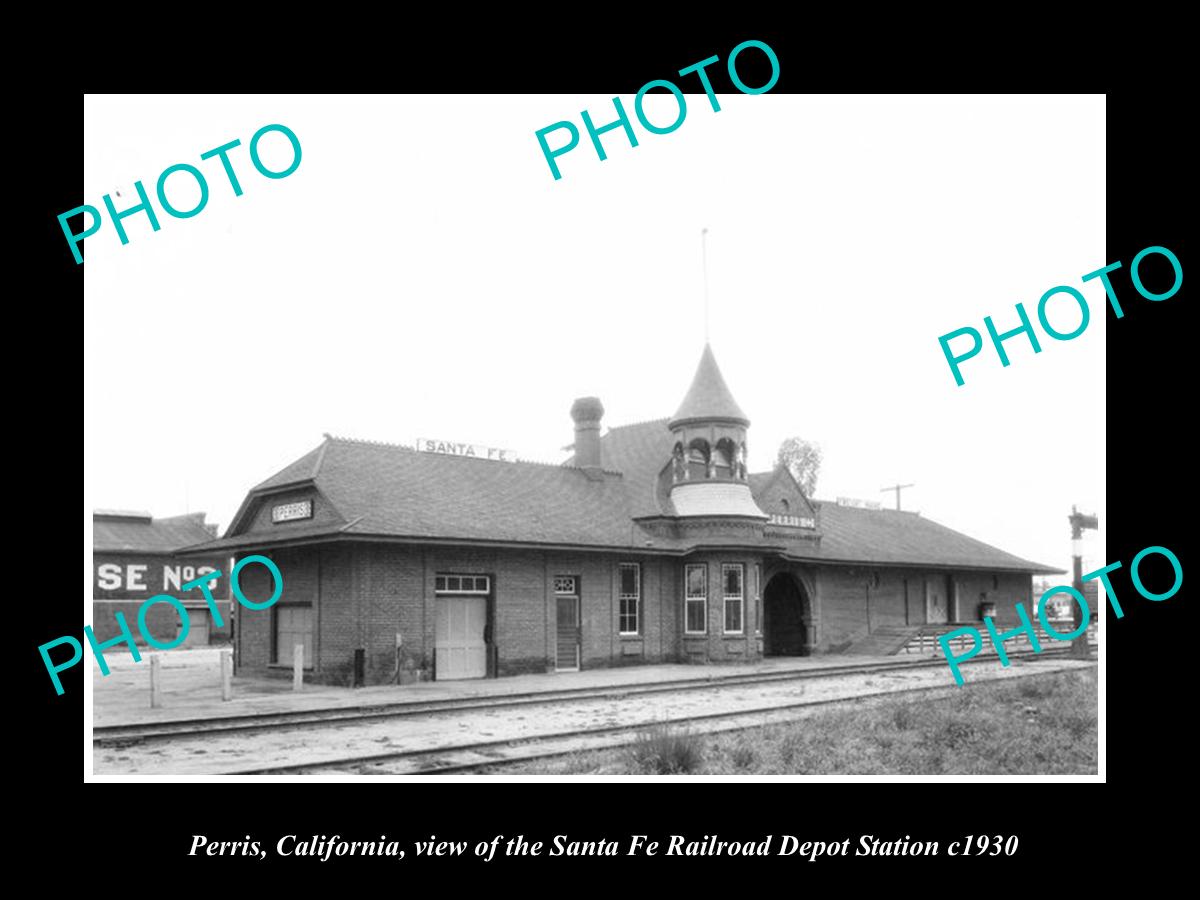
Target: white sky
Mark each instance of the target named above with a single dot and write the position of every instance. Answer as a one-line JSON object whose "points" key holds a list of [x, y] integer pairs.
{"points": [[422, 274]]}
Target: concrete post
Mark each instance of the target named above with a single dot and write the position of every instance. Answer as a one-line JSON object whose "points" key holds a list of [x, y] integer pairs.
{"points": [[155, 680], [226, 674], [298, 667]]}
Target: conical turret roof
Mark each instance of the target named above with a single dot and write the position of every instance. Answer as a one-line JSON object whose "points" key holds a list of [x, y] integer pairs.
{"points": [[709, 397]]}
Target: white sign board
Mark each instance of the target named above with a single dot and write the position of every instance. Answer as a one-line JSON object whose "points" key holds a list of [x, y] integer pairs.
{"points": [[286, 512], [858, 504], [794, 521], [457, 448]]}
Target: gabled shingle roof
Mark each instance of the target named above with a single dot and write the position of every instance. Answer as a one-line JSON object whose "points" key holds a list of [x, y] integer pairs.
{"points": [[383, 490], [639, 452], [387, 490], [301, 470], [759, 481], [884, 536], [114, 532]]}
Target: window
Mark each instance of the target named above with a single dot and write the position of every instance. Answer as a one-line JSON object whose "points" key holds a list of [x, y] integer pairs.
{"points": [[732, 576], [722, 458], [566, 585], [784, 505], [630, 597], [695, 599], [293, 625], [758, 598], [698, 455], [461, 584]]}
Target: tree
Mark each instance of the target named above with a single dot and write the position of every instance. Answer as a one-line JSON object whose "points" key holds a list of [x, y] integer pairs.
{"points": [[803, 459]]}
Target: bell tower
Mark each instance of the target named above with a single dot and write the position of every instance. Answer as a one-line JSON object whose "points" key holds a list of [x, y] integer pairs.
{"points": [[708, 470]]}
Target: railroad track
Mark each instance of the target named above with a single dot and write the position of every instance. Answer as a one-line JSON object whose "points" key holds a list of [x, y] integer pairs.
{"points": [[482, 755], [117, 736]]}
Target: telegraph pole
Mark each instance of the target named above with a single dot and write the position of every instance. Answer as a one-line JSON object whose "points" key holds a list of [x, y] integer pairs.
{"points": [[1080, 521], [897, 488]]}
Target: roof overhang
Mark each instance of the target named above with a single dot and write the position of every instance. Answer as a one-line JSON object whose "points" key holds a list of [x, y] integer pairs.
{"points": [[264, 542], [953, 567], [708, 420]]}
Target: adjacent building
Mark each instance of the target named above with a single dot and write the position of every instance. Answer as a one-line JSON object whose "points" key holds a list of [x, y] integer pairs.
{"points": [[135, 557], [652, 543]]}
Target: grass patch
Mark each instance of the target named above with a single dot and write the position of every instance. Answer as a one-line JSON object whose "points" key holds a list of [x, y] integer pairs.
{"points": [[1042, 725], [665, 750]]}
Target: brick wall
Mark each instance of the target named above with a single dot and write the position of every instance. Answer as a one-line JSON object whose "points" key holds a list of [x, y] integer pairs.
{"points": [[886, 601], [162, 620], [340, 615], [137, 578], [598, 617], [669, 600], [300, 568], [520, 613], [914, 586], [362, 594], [1007, 590], [648, 646], [368, 592], [391, 587], [842, 613], [851, 599]]}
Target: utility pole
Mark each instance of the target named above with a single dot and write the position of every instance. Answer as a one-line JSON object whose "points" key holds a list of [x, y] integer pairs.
{"points": [[897, 488], [1080, 521]]}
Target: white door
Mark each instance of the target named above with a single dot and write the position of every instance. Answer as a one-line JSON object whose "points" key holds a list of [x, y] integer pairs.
{"points": [[935, 601], [461, 652]]}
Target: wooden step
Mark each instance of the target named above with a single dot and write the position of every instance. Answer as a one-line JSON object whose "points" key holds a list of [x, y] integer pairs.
{"points": [[926, 643], [886, 640]]}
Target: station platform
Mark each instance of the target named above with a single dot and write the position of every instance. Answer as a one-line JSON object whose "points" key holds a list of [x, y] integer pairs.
{"points": [[191, 686]]}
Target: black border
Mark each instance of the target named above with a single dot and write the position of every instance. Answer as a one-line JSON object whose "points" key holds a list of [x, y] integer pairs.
{"points": [[1146, 452]]}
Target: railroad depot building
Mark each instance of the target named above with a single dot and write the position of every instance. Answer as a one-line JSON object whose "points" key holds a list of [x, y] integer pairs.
{"points": [[651, 544], [135, 557]]}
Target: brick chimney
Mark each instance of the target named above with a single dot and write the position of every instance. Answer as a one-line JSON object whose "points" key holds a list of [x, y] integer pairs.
{"points": [[587, 412]]}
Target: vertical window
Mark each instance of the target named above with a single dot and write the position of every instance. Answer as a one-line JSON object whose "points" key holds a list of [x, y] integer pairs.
{"points": [[293, 625], [695, 599], [698, 455], [630, 597], [758, 598], [723, 458], [733, 577]]}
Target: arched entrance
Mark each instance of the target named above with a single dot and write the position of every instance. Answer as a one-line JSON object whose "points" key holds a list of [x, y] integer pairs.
{"points": [[786, 617]]}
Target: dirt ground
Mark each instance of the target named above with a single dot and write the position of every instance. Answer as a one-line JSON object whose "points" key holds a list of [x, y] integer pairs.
{"points": [[191, 686]]}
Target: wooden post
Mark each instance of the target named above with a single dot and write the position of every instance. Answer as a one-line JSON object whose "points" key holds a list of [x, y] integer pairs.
{"points": [[1080, 648], [226, 674], [155, 680], [298, 667]]}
